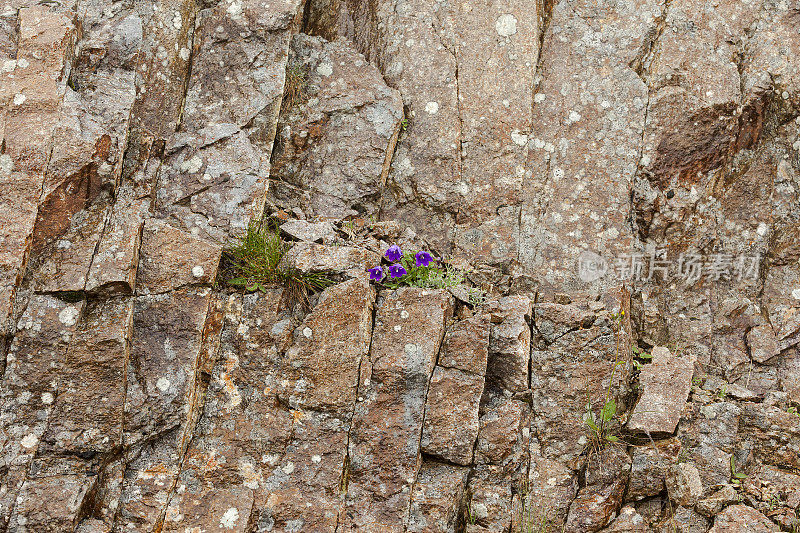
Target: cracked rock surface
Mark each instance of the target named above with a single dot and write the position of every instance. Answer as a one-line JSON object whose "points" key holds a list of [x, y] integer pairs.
{"points": [[621, 179]]}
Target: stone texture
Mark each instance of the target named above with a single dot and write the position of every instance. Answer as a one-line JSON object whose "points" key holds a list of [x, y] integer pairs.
{"points": [[320, 370], [684, 485], [338, 132], [665, 383], [436, 498], [387, 422], [510, 343], [597, 502], [649, 464], [741, 518], [352, 260], [451, 415]]}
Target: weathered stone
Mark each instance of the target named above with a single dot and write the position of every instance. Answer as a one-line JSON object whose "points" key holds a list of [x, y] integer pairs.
{"points": [[666, 383], [384, 439], [303, 230], [738, 518], [162, 373], [504, 431], [773, 433], [628, 521], [683, 520], [171, 258], [436, 498], [67, 265], [684, 485], [50, 504], [763, 344], [338, 131], [215, 175], [320, 370], [95, 366], [717, 501], [113, 269], [510, 343], [597, 502], [551, 489], [451, 415], [310, 257], [648, 467], [490, 504], [572, 364], [466, 345], [30, 385]]}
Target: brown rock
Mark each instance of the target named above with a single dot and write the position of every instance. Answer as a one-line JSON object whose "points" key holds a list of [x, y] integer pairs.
{"points": [[50, 504], [666, 383], [763, 343], [596, 503], [684, 520], [321, 370], [510, 343], [95, 367], [466, 344], [649, 465], [504, 431], [628, 521], [740, 518], [310, 257], [451, 415], [384, 439], [684, 485], [171, 258], [436, 498], [337, 134]]}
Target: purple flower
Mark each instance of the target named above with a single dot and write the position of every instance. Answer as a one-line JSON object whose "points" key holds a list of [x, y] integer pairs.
{"points": [[394, 253], [423, 258], [396, 270], [376, 273]]}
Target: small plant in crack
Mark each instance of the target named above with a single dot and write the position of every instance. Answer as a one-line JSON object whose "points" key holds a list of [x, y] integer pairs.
{"points": [[422, 270], [254, 264], [599, 424], [736, 476], [295, 87]]}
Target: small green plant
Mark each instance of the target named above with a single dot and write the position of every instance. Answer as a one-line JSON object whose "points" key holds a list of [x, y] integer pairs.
{"points": [[736, 477], [404, 124], [598, 425], [639, 356], [295, 86], [793, 411], [421, 270], [254, 263], [722, 393]]}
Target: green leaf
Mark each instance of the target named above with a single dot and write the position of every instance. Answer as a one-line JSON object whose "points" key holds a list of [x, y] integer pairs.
{"points": [[645, 355], [237, 282], [609, 410], [739, 475], [611, 438]]}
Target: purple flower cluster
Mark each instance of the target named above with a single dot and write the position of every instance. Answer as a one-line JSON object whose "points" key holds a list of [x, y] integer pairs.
{"points": [[396, 270]]}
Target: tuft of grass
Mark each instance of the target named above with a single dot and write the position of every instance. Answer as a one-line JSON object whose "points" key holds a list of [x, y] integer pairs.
{"points": [[254, 264], [295, 86]]}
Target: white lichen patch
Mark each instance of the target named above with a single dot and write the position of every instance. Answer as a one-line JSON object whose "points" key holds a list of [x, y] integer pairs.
{"points": [[506, 25], [796, 294], [198, 271], [307, 332], [520, 139], [47, 398], [316, 459], [19, 99], [163, 384], [68, 316], [325, 69], [29, 441], [229, 519], [432, 108], [288, 468], [192, 165], [6, 164]]}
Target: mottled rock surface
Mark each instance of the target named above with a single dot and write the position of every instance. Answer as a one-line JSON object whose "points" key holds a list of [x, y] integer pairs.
{"points": [[620, 179]]}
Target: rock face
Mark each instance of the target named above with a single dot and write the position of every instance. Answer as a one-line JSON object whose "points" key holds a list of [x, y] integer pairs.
{"points": [[618, 178]]}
